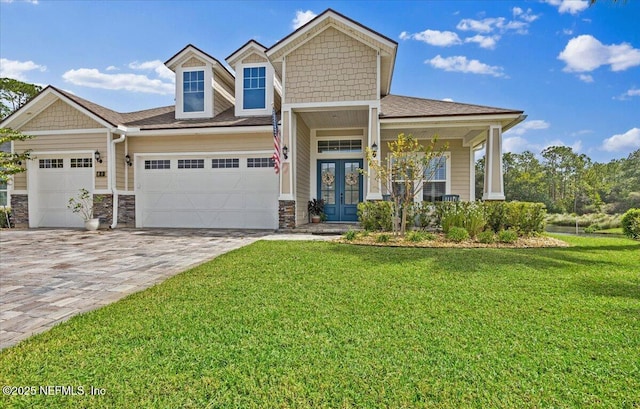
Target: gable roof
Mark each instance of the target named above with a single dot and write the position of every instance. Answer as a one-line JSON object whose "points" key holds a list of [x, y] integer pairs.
{"points": [[245, 48], [398, 106], [386, 47]]}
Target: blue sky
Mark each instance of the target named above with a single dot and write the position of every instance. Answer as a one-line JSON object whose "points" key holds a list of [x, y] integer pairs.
{"points": [[573, 69]]}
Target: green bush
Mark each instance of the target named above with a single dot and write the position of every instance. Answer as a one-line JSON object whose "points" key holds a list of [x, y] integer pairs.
{"points": [[418, 236], [507, 236], [5, 214], [425, 215], [468, 215], [350, 235], [487, 237], [591, 229], [383, 238], [631, 223], [457, 234], [524, 217], [375, 216]]}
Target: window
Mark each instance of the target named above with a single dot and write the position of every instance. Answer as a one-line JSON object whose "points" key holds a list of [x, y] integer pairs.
{"points": [[260, 162], [3, 193], [341, 145], [50, 163], [81, 162], [225, 163], [435, 180], [254, 89], [193, 87], [157, 164], [190, 163]]}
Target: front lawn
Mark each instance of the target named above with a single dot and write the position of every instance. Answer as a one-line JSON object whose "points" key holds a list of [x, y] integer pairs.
{"points": [[308, 325]]}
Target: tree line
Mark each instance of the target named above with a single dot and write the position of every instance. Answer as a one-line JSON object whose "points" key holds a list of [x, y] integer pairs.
{"points": [[568, 182]]}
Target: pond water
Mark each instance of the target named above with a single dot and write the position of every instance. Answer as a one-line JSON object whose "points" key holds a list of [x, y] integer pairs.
{"points": [[552, 228]]}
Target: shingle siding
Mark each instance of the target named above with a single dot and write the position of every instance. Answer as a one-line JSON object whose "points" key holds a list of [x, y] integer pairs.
{"points": [[60, 116]]}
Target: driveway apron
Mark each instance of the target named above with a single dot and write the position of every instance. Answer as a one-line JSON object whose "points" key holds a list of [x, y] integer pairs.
{"points": [[49, 275]]}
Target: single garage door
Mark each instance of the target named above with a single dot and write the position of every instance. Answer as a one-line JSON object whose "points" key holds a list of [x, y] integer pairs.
{"points": [[54, 181], [207, 192]]}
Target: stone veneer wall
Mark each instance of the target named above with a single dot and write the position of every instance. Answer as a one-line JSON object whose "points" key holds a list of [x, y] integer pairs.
{"points": [[127, 211], [20, 209], [286, 214], [103, 210]]}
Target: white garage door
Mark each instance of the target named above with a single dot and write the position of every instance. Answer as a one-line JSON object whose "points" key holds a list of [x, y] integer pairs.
{"points": [[207, 192], [54, 180]]}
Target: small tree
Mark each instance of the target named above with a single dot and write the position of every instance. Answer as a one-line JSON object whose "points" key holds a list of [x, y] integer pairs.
{"points": [[14, 94], [11, 163], [402, 172]]}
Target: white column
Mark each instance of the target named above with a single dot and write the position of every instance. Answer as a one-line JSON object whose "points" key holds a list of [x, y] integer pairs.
{"points": [[493, 180]]}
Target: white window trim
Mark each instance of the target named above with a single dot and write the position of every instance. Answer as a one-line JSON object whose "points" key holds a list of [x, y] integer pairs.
{"points": [[208, 92], [418, 196], [269, 75]]}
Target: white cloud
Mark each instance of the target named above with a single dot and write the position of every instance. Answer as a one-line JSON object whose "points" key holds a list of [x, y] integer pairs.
{"points": [[113, 68], [633, 92], [434, 37], [567, 31], [447, 99], [586, 53], [488, 42], [91, 77], [486, 25], [515, 144], [569, 6], [155, 65], [17, 69], [526, 126], [585, 78], [629, 140], [460, 63], [302, 18], [527, 15]]}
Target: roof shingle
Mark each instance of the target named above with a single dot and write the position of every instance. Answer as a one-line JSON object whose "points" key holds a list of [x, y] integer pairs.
{"points": [[398, 106]]}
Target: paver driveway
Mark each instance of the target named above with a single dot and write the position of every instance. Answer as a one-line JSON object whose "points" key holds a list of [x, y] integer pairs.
{"points": [[49, 275]]}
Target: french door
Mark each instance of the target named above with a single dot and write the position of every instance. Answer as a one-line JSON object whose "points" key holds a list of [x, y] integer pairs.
{"points": [[340, 185]]}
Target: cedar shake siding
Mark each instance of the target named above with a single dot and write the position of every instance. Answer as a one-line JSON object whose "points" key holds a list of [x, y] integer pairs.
{"points": [[332, 66], [60, 116]]}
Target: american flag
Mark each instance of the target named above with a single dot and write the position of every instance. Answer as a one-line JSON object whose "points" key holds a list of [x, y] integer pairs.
{"points": [[276, 143]]}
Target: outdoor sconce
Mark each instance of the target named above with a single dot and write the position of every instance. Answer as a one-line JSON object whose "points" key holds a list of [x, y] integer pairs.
{"points": [[285, 152], [374, 150], [127, 160], [97, 156]]}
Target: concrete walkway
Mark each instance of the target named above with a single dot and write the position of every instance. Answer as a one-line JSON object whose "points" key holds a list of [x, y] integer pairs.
{"points": [[50, 275]]}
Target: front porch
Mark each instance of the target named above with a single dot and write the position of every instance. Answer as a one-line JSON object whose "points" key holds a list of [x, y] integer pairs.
{"points": [[327, 144]]}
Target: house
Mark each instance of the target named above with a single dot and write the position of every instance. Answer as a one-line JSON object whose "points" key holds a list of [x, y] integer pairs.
{"points": [[206, 161]]}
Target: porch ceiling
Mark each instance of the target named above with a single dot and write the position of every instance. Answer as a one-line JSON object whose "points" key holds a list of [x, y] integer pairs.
{"points": [[344, 118], [467, 133]]}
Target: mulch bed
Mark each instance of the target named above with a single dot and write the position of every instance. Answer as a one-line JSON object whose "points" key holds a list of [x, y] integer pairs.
{"points": [[441, 242]]}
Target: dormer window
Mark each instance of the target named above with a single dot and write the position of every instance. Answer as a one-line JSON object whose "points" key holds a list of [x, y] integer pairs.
{"points": [[193, 89], [254, 88]]}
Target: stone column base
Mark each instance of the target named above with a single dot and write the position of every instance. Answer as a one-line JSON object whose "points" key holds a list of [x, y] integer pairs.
{"points": [[286, 214]]}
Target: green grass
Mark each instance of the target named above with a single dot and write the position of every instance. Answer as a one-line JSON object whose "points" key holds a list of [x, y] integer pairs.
{"points": [[313, 325]]}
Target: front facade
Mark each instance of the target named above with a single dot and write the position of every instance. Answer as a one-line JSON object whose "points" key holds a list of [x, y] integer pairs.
{"points": [[206, 162]]}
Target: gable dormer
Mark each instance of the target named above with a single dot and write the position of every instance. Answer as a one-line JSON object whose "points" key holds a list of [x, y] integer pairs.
{"points": [[204, 87], [255, 80]]}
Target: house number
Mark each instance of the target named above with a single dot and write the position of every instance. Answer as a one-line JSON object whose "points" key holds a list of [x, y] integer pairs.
{"points": [[100, 174]]}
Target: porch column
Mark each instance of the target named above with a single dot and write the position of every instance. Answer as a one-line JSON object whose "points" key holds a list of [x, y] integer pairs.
{"points": [[287, 204], [493, 182], [373, 185]]}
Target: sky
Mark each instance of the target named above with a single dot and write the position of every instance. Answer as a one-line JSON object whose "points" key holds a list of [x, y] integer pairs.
{"points": [[573, 68]]}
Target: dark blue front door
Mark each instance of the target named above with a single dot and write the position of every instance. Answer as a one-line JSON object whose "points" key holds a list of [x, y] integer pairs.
{"points": [[340, 185]]}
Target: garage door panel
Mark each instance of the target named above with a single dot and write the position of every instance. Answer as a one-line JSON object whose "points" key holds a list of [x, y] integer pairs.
{"points": [[50, 190], [210, 198]]}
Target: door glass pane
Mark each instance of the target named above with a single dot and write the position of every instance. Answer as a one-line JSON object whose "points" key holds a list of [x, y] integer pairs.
{"points": [[328, 183], [351, 183]]}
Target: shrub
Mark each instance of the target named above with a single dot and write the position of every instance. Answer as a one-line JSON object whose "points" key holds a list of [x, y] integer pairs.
{"points": [[496, 213], [5, 214], [375, 216], [468, 215], [418, 236], [591, 229], [524, 217], [425, 215], [474, 218], [507, 236], [350, 235], [457, 234], [631, 223], [487, 237], [383, 238]]}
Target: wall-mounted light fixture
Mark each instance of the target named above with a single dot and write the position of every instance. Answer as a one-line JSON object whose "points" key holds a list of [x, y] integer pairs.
{"points": [[374, 150], [285, 152], [127, 160], [97, 156]]}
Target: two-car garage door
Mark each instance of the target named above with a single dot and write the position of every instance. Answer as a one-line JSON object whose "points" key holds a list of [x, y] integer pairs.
{"points": [[201, 191]]}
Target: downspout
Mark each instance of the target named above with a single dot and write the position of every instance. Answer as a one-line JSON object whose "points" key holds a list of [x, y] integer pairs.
{"points": [[114, 190]]}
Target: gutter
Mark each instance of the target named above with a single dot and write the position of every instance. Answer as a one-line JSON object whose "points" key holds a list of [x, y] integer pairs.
{"points": [[112, 176]]}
